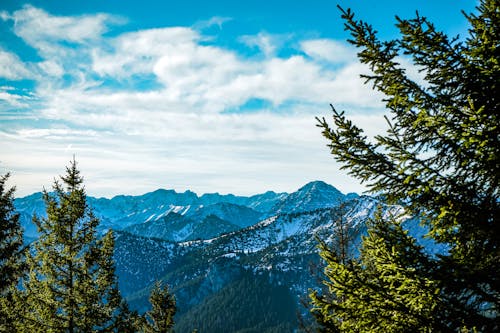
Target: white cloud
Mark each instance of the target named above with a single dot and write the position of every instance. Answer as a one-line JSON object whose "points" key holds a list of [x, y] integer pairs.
{"points": [[137, 52], [256, 154], [51, 68], [53, 133], [4, 15], [329, 50], [12, 68], [215, 79], [37, 27], [216, 20], [267, 43], [152, 115], [185, 129], [13, 99], [63, 42]]}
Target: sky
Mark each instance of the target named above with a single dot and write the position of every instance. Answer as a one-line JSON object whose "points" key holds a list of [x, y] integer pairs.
{"points": [[210, 96]]}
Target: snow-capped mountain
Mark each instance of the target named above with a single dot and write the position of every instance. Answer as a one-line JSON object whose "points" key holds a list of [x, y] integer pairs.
{"points": [[282, 247], [239, 215], [173, 227], [205, 246], [312, 196], [152, 209]]}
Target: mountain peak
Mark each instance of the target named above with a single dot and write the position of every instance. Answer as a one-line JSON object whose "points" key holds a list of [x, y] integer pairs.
{"points": [[313, 195], [317, 185]]}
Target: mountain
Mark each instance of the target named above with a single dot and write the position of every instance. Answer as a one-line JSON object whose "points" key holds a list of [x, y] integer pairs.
{"points": [[312, 196], [122, 212], [265, 202], [239, 215], [173, 227], [282, 249], [205, 223], [234, 264], [212, 226], [140, 261], [27, 207], [260, 202], [263, 307]]}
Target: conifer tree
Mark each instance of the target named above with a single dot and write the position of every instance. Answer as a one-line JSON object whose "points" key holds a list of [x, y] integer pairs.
{"points": [[128, 321], [71, 285], [342, 240], [440, 158], [160, 319], [382, 290], [11, 257]]}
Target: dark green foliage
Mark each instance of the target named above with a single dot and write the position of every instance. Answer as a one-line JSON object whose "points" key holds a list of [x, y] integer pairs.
{"points": [[11, 238], [239, 306], [71, 286], [160, 319], [382, 290], [441, 158], [127, 321], [11, 257]]}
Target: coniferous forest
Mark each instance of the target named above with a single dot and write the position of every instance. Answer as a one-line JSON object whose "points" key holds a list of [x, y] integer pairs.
{"points": [[65, 281], [246, 264]]}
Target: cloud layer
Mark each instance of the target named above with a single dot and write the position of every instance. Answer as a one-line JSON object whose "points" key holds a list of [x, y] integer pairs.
{"points": [[168, 107]]}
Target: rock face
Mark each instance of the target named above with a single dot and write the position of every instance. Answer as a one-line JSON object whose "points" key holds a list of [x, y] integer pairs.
{"points": [[223, 249]]}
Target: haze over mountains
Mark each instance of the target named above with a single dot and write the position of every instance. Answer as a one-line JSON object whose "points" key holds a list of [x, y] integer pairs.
{"points": [[247, 255]]}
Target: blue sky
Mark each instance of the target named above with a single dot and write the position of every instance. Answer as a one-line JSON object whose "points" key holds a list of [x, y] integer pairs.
{"points": [[201, 95]]}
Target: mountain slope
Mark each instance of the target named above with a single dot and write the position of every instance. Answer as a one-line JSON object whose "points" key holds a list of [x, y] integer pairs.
{"points": [[228, 252], [173, 227], [146, 214], [211, 226], [250, 304], [283, 249], [239, 215], [312, 196]]}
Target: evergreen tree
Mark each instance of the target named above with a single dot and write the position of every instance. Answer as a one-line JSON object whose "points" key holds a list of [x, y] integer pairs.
{"points": [[342, 240], [440, 158], [128, 321], [340, 251], [11, 258], [383, 290], [160, 319], [71, 285]]}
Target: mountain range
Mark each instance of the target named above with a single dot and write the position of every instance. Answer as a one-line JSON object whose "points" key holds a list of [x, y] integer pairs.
{"points": [[234, 263]]}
